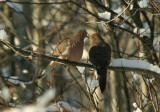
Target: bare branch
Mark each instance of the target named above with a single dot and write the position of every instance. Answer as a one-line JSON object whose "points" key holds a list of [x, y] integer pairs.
{"points": [[28, 54]]}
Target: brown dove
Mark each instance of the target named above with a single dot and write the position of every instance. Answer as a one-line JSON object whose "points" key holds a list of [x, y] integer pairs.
{"points": [[68, 48], [100, 57]]}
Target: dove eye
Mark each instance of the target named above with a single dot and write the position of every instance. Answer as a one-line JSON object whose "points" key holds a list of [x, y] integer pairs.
{"points": [[84, 33], [93, 36]]}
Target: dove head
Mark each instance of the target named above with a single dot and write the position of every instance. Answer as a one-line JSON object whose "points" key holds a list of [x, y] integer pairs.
{"points": [[82, 33], [96, 38]]}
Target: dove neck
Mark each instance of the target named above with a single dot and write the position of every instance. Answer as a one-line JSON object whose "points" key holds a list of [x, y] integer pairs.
{"points": [[96, 42], [78, 39]]}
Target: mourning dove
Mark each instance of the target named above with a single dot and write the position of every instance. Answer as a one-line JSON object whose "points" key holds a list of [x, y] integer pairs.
{"points": [[68, 48], [100, 56]]}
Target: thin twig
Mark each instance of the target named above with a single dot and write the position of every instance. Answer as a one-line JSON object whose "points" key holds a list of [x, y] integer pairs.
{"points": [[90, 95], [38, 3], [29, 54], [67, 69]]}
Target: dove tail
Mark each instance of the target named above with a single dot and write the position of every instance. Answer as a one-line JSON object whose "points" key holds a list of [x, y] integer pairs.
{"points": [[48, 69], [102, 72]]}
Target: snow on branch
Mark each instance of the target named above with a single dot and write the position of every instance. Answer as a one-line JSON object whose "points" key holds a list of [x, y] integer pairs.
{"points": [[105, 15], [46, 97], [135, 64], [92, 84], [3, 35], [60, 106], [117, 64], [42, 105], [143, 3], [15, 6], [143, 32], [66, 107]]}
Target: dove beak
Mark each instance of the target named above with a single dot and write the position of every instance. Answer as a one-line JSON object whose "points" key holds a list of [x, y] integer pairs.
{"points": [[87, 35]]}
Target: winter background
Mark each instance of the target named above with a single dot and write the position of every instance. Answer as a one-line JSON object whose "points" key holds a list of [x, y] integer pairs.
{"points": [[132, 29]]}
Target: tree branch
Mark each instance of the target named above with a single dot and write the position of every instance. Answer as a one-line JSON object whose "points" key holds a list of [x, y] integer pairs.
{"points": [[30, 55], [39, 3]]}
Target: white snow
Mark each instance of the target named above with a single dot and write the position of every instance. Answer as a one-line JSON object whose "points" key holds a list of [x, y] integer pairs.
{"points": [[127, 18], [131, 7], [118, 10], [46, 97], [150, 80], [143, 3], [22, 84], [101, 26], [145, 25], [6, 71], [40, 106], [2, 25], [138, 110], [3, 35], [31, 108], [14, 98], [138, 64], [13, 77], [85, 54], [105, 15], [92, 83], [4, 93], [52, 108], [25, 71], [134, 105], [96, 74], [145, 100], [61, 106], [136, 76], [16, 6], [46, 22], [81, 69], [142, 31], [17, 41], [14, 80], [66, 106], [83, 76], [156, 47], [123, 25]]}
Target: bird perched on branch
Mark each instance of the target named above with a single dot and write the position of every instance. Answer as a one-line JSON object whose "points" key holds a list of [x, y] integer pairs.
{"points": [[100, 56], [68, 48]]}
